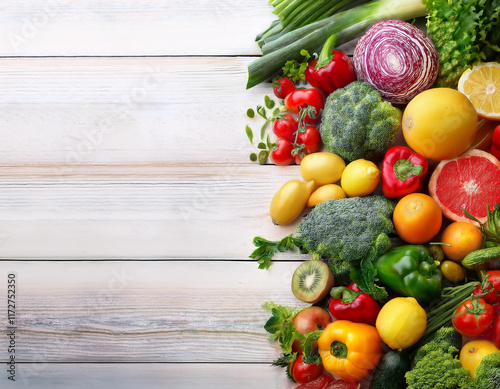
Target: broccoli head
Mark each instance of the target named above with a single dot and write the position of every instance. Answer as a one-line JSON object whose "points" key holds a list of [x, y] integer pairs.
{"points": [[488, 372], [356, 123], [436, 365], [345, 231]]}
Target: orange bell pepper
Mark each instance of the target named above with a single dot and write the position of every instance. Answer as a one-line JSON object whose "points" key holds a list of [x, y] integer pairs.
{"points": [[350, 350]]}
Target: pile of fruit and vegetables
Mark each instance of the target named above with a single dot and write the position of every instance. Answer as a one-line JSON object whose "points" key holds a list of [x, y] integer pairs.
{"points": [[397, 203]]}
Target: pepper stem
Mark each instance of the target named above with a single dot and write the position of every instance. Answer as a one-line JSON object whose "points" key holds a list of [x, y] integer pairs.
{"points": [[326, 55], [404, 169], [345, 295], [338, 349]]}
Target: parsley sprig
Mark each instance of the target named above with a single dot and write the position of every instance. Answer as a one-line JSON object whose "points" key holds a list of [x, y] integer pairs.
{"points": [[266, 249]]}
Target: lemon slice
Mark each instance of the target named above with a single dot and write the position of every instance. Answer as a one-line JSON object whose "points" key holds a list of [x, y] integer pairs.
{"points": [[481, 84]]}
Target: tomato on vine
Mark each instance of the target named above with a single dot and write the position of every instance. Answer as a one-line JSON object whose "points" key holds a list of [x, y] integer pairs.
{"points": [[281, 153], [310, 99], [282, 87], [302, 372], [311, 139], [285, 127], [473, 317]]}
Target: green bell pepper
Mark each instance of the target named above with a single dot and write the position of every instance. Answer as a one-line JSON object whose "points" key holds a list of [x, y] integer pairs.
{"points": [[410, 271]]}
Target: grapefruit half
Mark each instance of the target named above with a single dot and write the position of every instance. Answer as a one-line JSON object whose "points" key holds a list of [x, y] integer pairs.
{"points": [[470, 182]]}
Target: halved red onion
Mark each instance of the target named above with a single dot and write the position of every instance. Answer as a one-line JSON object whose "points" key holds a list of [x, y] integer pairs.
{"points": [[397, 58]]}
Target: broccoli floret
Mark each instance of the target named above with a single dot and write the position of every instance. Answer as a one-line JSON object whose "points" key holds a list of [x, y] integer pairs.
{"points": [[356, 123], [436, 366], [345, 231], [488, 372]]}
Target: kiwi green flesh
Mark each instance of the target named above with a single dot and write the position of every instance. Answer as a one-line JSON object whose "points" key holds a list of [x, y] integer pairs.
{"points": [[312, 281]]}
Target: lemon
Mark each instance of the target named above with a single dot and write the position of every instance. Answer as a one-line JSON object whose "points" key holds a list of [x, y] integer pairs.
{"points": [[439, 123], [481, 84], [322, 168], [473, 352], [360, 178], [401, 322], [325, 192]]}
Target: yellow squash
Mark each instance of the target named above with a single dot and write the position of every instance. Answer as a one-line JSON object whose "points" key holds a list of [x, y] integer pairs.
{"points": [[289, 201]]}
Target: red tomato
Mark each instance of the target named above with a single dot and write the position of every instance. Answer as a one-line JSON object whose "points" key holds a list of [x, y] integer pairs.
{"points": [[473, 317], [286, 128], [302, 373], [282, 153], [311, 139], [302, 98], [283, 87], [492, 285]]}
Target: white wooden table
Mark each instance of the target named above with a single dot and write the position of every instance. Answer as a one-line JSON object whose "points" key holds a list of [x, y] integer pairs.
{"points": [[127, 200]]}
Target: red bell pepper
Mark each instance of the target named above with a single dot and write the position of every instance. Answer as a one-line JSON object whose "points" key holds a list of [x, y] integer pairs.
{"points": [[350, 303], [402, 172], [495, 146], [491, 284], [332, 70]]}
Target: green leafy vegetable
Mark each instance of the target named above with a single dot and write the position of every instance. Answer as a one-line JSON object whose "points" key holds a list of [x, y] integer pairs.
{"points": [[310, 356], [294, 70], [249, 133], [280, 326], [266, 249], [365, 277]]}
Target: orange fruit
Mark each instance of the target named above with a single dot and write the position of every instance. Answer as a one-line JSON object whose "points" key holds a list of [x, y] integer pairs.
{"points": [[463, 238], [468, 182], [417, 218], [439, 123], [481, 84]]}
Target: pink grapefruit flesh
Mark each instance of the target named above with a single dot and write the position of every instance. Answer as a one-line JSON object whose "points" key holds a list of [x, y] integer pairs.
{"points": [[470, 181]]}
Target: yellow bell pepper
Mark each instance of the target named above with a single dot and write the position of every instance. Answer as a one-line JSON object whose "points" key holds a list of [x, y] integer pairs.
{"points": [[350, 350]]}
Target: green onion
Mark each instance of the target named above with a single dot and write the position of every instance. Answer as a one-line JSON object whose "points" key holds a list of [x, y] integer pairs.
{"points": [[347, 25]]}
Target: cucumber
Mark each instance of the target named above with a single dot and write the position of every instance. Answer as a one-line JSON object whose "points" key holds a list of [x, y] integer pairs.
{"points": [[480, 257], [390, 372]]}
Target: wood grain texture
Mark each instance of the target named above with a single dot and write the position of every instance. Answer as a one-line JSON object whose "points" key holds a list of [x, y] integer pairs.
{"points": [[176, 212], [144, 311], [131, 27], [151, 376], [67, 112]]}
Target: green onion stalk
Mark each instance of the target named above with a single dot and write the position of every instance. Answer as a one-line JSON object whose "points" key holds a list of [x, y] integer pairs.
{"points": [[294, 14], [346, 25]]}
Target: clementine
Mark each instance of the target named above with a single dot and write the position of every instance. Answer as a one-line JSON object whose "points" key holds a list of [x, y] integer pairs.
{"points": [[417, 218]]}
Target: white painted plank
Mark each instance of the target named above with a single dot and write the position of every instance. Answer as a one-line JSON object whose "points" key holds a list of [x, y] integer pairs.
{"points": [[191, 212], [151, 376], [121, 111], [143, 311], [131, 27]]}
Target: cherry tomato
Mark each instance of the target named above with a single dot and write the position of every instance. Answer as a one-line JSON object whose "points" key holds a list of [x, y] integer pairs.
{"points": [[302, 373], [492, 284], [282, 87], [311, 139], [302, 98], [281, 154], [285, 128], [473, 317]]}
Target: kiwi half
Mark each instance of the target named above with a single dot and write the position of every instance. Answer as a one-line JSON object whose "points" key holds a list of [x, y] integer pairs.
{"points": [[312, 281]]}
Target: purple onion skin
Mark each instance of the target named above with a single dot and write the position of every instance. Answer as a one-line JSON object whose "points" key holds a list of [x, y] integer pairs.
{"points": [[397, 58]]}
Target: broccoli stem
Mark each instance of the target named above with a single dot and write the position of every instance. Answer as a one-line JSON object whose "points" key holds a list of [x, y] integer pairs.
{"points": [[346, 25]]}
